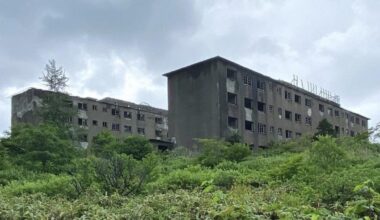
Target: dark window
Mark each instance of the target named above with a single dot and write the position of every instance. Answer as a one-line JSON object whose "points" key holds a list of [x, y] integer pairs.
{"points": [[352, 119], [280, 112], [232, 98], [297, 117], [232, 122], [127, 129], [298, 135], [279, 91], [308, 120], [141, 131], [115, 127], [321, 108], [82, 106], [288, 134], [248, 103], [357, 121], [261, 106], [248, 125], [82, 121], [231, 74], [261, 84], [95, 107], [364, 123], [247, 80], [158, 133], [94, 122], [105, 125], [140, 117], [83, 138], [308, 102], [288, 95], [128, 115], [104, 109], [297, 98], [261, 128], [115, 111], [352, 133], [288, 115], [337, 129], [336, 113], [158, 120]]}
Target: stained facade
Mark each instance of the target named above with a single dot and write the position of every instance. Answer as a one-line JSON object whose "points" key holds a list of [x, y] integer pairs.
{"points": [[217, 97]]}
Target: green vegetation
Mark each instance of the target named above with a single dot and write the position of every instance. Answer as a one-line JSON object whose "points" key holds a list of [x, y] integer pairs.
{"points": [[44, 175]]}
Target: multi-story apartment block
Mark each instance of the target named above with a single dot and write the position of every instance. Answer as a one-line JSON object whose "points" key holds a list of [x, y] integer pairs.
{"points": [[216, 97], [120, 117]]}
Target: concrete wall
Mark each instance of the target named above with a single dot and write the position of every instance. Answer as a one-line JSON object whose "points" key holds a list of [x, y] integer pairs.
{"points": [[25, 105], [198, 105]]}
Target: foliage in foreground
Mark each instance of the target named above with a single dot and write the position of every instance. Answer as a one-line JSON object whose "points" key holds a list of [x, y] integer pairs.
{"points": [[326, 178]]}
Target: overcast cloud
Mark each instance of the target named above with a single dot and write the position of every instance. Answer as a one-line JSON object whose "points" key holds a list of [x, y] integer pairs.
{"points": [[120, 48]]}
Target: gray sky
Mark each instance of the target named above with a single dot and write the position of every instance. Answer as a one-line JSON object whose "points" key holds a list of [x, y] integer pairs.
{"points": [[120, 48]]}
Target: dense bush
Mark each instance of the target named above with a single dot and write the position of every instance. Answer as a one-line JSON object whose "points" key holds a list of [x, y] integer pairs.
{"points": [[323, 178]]}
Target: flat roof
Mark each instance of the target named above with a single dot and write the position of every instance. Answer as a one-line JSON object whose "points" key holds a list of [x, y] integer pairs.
{"points": [[284, 83]]}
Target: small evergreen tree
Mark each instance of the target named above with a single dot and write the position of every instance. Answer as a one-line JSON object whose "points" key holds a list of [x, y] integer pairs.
{"points": [[54, 77], [325, 128]]}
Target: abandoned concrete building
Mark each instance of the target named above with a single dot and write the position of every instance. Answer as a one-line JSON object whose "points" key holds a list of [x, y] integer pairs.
{"points": [[216, 97], [120, 117]]}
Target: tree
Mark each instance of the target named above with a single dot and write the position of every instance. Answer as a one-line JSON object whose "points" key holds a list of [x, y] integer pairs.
{"points": [[325, 128], [55, 78], [56, 106]]}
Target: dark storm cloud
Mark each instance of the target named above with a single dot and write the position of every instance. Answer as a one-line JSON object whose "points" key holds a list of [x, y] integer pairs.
{"points": [[120, 48]]}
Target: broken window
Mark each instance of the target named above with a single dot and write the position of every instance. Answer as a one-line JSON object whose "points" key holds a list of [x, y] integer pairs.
{"points": [[297, 117], [337, 130], [288, 95], [83, 138], [247, 80], [271, 130], [94, 122], [95, 107], [279, 91], [352, 133], [308, 120], [141, 131], [105, 125], [115, 127], [329, 111], [115, 111], [232, 122], [364, 123], [158, 120], [261, 106], [280, 112], [82, 106], [231, 74], [82, 121], [261, 84], [308, 102], [248, 125], [357, 121], [127, 115], [127, 129], [352, 119], [279, 132], [140, 117], [158, 133], [261, 128], [336, 112], [297, 98], [288, 134], [231, 98], [248, 103], [288, 115], [270, 108], [321, 108]]}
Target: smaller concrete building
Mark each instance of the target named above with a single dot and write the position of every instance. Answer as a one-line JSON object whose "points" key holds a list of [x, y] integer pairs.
{"points": [[122, 118]]}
